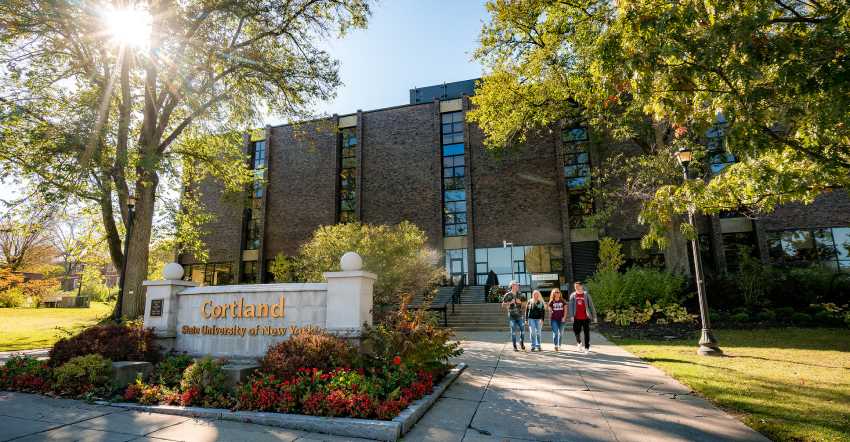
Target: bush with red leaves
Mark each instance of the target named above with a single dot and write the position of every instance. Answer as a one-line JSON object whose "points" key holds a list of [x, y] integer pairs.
{"points": [[307, 348], [116, 342]]}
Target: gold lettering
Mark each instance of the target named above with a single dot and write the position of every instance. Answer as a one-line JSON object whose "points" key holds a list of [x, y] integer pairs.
{"points": [[241, 307], [249, 311], [263, 310], [204, 309], [277, 309], [217, 311]]}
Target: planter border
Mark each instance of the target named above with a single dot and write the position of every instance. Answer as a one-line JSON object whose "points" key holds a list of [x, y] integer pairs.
{"points": [[389, 431]]}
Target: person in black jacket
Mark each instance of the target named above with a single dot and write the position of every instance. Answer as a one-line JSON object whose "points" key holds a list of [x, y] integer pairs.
{"points": [[535, 313]]}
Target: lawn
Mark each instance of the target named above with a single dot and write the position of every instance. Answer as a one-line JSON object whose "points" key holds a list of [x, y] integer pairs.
{"points": [[27, 328], [789, 384]]}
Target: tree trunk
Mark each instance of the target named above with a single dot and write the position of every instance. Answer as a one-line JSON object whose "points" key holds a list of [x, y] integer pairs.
{"points": [[133, 304], [676, 255]]}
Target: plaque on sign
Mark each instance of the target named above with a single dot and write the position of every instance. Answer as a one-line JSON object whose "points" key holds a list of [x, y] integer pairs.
{"points": [[156, 307]]}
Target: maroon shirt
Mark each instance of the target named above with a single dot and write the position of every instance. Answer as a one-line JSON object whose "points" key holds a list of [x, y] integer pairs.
{"points": [[581, 306], [558, 309]]}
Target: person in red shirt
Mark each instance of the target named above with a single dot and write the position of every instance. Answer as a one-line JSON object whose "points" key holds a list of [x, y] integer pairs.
{"points": [[581, 312]]}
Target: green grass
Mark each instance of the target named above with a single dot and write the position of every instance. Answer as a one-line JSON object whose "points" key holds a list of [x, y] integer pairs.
{"points": [[790, 384], [28, 328]]}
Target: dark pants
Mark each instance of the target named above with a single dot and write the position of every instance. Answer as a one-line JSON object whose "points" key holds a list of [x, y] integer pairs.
{"points": [[580, 325]]}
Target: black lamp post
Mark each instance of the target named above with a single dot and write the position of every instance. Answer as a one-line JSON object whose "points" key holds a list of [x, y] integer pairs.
{"points": [[131, 206], [707, 343]]}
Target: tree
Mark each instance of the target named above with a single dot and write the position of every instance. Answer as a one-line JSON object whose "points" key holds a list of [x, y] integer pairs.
{"points": [[105, 99], [658, 73], [25, 235], [78, 239], [397, 254]]}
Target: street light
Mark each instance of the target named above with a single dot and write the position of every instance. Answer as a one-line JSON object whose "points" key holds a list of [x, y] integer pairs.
{"points": [[707, 343], [131, 205]]}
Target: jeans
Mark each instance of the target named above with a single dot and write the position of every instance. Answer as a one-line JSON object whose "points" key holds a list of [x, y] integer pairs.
{"points": [[535, 326], [580, 325], [557, 329], [517, 326]]}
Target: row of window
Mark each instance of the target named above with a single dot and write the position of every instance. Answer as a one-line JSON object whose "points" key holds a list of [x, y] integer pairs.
{"points": [[518, 262], [826, 246], [455, 221], [577, 175], [252, 230]]}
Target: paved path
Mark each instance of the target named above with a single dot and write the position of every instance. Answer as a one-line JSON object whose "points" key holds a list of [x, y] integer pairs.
{"points": [[609, 395]]}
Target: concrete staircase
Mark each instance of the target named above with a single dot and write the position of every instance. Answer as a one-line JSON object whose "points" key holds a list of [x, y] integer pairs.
{"points": [[482, 317], [473, 294]]}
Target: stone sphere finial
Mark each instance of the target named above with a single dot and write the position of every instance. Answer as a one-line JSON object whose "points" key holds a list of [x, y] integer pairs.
{"points": [[172, 271], [351, 261]]}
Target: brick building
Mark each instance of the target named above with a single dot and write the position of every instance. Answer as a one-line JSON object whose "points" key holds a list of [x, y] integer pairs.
{"points": [[520, 214]]}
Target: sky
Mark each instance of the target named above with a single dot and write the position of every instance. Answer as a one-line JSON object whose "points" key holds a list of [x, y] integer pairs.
{"points": [[408, 43]]}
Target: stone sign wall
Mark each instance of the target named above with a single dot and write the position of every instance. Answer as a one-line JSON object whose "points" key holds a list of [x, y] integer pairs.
{"points": [[242, 321]]}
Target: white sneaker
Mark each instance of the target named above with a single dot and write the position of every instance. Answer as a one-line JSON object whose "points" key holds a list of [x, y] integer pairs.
{"points": [[578, 347]]}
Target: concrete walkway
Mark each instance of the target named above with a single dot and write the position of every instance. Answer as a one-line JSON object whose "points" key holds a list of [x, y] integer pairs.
{"points": [[609, 395]]}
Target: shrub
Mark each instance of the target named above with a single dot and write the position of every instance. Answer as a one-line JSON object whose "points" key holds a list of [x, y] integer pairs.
{"points": [[496, 294], [610, 255], [84, 375], [169, 372], [612, 290], [307, 348], [25, 373], [411, 337], [118, 342], [784, 313], [397, 254], [13, 297], [203, 384], [847, 318], [766, 316], [755, 280], [740, 317], [667, 314], [800, 318]]}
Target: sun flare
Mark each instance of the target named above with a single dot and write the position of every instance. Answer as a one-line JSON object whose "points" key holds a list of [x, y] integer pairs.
{"points": [[129, 26]]}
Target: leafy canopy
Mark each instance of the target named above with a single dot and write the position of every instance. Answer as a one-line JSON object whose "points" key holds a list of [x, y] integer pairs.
{"points": [[657, 73]]}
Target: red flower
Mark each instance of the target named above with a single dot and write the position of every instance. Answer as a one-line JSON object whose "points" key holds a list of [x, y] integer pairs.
{"points": [[397, 360]]}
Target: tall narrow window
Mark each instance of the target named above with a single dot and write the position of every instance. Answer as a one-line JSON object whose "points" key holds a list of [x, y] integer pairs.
{"points": [[577, 175], [454, 175], [348, 175], [254, 202]]}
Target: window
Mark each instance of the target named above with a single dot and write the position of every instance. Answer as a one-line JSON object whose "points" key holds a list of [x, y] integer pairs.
{"points": [[577, 175], [348, 175], [454, 175], [211, 273], [734, 244], [456, 263], [249, 272], [635, 255], [719, 156], [253, 230], [825, 246], [527, 260]]}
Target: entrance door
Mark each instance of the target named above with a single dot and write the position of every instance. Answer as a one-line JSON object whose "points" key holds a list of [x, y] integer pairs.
{"points": [[456, 269]]}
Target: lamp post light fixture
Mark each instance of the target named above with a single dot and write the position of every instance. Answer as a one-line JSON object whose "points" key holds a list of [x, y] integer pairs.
{"points": [[131, 206], [707, 343]]}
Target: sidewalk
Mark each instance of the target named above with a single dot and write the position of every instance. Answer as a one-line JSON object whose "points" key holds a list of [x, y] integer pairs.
{"points": [[609, 395]]}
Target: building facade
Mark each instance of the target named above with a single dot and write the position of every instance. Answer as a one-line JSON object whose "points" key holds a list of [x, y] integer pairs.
{"points": [[520, 214]]}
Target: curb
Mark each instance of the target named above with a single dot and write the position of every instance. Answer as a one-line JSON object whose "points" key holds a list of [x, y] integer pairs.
{"points": [[389, 431]]}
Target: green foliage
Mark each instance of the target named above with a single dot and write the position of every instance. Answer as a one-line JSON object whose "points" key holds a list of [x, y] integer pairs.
{"points": [[496, 294], [740, 317], [800, 318], [84, 375], [657, 73], [397, 254], [307, 348], [766, 315], [414, 337], [847, 318], [169, 372], [611, 256], [285, 268], [754, 279], [12, 297], [635, 287], [661, 314], [25, 373], [204, 383]]}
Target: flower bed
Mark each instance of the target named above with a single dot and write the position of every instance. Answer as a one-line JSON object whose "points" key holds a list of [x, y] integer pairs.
{"points": [[398, 363]]}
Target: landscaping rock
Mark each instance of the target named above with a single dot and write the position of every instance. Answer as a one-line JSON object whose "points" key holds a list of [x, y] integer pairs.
{"points": [[125, 372]]}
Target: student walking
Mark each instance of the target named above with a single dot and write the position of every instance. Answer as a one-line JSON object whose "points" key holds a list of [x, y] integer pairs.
{"points": [[535, 313], [515, 304], [558, 308], [581, 312]]}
